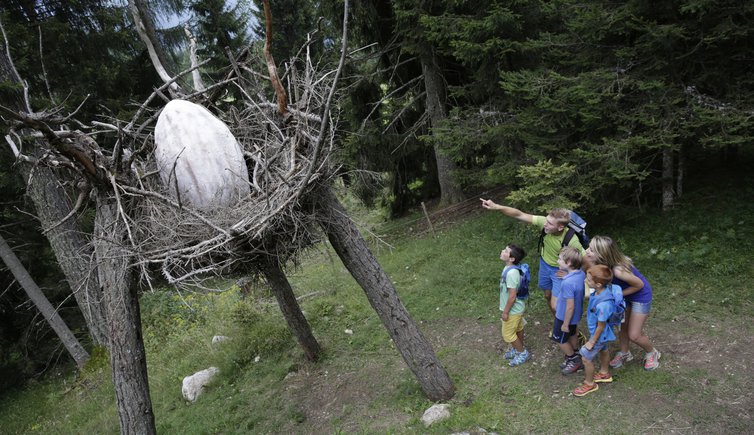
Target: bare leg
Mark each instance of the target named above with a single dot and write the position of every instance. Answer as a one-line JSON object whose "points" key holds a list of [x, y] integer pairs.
{"points": [[588, 371], [574, 341], [518, 345], [551, 301], [623, 334], [604, 362], [635, 324], [566, 348]]}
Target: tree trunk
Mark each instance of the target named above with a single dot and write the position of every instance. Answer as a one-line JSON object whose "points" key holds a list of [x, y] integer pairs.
{"points": [[196, 77], [668, 195], [66, 240], [450, 189], [127, 355], [680, 174], [43, 305], [69, 245], [289, 306], [359, 260], [145, 29]]}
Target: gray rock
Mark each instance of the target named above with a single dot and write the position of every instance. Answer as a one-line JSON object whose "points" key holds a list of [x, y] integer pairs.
{"points": [[193, 386], [435, 413], [219, 339]]}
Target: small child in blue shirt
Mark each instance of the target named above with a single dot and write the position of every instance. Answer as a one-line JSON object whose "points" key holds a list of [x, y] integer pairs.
{"points": [[569, 308], [512, 307], [601, 307]]}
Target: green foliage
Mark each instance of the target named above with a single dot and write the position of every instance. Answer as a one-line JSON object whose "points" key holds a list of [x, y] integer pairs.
{"points": [[73, 62], [604, 87], [546, 186], [167, 313], [219, 28], [258, 329], [291, 21]]}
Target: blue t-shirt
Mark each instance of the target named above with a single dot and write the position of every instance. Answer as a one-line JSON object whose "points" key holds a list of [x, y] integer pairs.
{"points": [[600, 312], [572, 288]]}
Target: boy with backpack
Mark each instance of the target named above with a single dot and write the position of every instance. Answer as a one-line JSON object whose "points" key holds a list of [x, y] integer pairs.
{"points": [[569, 310], [514, 290], [560, 228], [605, 309]]}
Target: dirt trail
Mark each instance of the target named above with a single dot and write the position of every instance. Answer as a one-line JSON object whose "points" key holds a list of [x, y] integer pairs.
{"points": [[350, 400]]}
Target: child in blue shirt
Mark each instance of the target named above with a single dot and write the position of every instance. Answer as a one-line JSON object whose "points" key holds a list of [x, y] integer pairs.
{"points": [[569, 309], [601, 307], [512, 307]]}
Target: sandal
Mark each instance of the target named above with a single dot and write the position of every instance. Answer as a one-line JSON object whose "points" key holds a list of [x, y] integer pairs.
{"points": [[603, 377], [584, 389]]}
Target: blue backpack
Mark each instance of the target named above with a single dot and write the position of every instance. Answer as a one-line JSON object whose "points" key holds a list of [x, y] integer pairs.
{"points": [[613, 294], [523, 287]]}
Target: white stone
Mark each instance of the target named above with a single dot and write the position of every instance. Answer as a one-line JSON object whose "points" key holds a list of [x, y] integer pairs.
{"points": [[349, 331], [209, 163], [219, 339], [193, 386], [435, 413]]}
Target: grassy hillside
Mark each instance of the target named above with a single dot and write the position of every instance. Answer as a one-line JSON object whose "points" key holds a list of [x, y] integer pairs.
{"points": [[697, 257]]}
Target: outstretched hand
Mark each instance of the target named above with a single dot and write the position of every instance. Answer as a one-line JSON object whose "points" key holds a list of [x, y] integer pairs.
{"points": [[488, 204]]}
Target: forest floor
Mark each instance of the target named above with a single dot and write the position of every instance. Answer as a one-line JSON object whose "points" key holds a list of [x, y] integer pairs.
{"points": [[718, 370]]}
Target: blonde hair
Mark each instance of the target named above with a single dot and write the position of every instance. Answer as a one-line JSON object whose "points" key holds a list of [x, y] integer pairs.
{"points": [[571, 256], [600, 274], [561, 215], [606, 252]]}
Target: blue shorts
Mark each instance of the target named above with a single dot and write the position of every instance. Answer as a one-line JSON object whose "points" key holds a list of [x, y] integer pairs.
{"points": [[559, 336], [589, 355], [547, 280], [641, 307]]}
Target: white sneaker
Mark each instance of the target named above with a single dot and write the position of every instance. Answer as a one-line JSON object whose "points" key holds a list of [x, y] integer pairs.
{"points": [[620, 358]]}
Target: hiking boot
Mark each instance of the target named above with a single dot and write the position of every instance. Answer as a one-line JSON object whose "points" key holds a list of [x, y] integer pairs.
{"points": [[603, 377], [584, 389], [520, 358], [511, 353], [620, 358], [652, 360], [573, 365], [565, 361]]}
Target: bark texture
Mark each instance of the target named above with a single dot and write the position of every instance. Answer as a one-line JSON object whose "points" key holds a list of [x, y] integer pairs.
{"points": [[668, 194], [127, 355], [450, 189], [44, 306], [73, 253], [352, 249], [297, 323]]}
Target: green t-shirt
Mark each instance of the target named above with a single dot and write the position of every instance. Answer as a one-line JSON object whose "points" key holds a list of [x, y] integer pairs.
{"points": [[552, 243], [512, 280]]}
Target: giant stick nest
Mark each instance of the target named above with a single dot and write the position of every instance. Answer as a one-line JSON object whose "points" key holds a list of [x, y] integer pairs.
{"points": [[287, 158]]}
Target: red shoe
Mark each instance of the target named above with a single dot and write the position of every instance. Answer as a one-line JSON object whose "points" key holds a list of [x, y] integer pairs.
{"points": [[584, 389], [603, 378]]}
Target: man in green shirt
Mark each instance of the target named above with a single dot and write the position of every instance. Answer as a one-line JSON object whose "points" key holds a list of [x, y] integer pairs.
{"points": [[555, 225]]}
